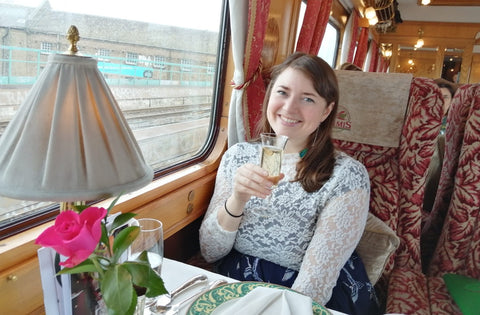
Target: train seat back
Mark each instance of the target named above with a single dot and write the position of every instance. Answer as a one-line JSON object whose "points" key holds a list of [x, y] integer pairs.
{"points": [[398, 173], [450, 233], [451, 237]]}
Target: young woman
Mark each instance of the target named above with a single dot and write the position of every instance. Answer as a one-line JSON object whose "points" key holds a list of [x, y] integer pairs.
{"points": [[306, 238]]}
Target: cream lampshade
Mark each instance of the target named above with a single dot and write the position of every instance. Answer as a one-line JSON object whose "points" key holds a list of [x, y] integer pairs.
{"points": [[69, 140]]}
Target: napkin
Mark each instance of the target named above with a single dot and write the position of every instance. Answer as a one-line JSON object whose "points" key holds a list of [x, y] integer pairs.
{"points": [[268, 301]]}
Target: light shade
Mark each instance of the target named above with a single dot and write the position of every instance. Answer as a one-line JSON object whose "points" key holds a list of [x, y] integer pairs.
{"points": [[370, 13], [69, 140], [419, 43]]}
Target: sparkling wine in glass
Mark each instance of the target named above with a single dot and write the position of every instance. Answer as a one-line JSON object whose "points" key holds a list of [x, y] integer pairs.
{"points": [[272, 153], [272, 162]]}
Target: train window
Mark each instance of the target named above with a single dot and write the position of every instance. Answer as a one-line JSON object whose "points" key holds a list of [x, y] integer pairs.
{"points": [[46, 46], [329, 48], [159, 58], [131, 58]]}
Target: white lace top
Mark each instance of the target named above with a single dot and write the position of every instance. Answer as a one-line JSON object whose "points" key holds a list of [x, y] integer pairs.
{"points": [[314, 233]]}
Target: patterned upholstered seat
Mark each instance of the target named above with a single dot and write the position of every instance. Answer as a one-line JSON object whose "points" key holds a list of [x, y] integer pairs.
{"points": [[398, 176], [450, 238], [453, 236]]}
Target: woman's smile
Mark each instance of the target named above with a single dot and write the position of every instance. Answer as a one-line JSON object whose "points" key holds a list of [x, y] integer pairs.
{"points": [[289, 121]]}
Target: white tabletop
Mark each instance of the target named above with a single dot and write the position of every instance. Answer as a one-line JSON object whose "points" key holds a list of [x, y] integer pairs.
{"points": [[175, 273]]}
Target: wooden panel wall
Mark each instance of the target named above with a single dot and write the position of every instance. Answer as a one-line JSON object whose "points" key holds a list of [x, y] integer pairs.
{"points": [[437, 36]]}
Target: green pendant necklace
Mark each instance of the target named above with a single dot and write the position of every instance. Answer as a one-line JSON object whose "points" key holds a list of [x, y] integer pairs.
{"points": [[302, 153]]}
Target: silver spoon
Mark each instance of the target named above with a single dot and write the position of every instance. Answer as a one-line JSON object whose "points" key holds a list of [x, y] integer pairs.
{"points": [[164, 300]]}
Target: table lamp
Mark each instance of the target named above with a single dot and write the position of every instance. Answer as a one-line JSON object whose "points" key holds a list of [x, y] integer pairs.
{"points": [[69, 141]]}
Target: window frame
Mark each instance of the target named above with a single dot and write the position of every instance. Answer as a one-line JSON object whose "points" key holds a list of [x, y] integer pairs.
{"points": [[159, 62], [131, 58], [103, 54], [46, 47]]}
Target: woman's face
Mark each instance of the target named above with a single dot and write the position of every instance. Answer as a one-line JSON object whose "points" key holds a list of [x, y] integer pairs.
{"points": [[447, 99], [295, 109]]}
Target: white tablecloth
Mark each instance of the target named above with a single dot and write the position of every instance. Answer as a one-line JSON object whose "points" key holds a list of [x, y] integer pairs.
{"points": [[175, 273]]}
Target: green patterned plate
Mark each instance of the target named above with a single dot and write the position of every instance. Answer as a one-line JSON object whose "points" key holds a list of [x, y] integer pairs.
{"points": [[210, 300]]}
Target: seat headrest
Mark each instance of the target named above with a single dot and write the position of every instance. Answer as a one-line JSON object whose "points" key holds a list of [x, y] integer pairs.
{"points": [[372, 107]]}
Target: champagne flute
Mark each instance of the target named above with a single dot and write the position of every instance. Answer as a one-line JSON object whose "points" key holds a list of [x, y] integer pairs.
{"points": [[149, 239], [271, 160]]}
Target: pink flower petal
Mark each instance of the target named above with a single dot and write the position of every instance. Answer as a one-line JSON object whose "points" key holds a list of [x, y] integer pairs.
{"points": [[74, 235]]}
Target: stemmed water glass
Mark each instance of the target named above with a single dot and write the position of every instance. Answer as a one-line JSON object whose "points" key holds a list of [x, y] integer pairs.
{"points": [[149, 239], [271, 159]]}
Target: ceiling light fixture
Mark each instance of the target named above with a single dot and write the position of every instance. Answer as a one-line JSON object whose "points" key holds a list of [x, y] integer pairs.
{"points": [[386, 50], [370, 13], [420, 41], [386, 12], [425, 2]]}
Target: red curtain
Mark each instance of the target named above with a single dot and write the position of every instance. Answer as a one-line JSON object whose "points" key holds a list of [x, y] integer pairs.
{"points": [[314, 25], [355, 33], [386, 65], [383, 67], [374, 58], [254, 85], [362, 48]]}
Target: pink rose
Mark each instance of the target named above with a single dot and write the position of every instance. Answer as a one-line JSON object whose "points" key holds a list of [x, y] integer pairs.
{"points": [[74, 235]]}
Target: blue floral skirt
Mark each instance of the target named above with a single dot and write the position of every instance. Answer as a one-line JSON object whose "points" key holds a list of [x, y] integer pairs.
{"points": [[353, 294]]}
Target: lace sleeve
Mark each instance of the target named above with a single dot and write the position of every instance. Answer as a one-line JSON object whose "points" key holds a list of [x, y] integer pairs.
{"points": [[338, 230], [215, 242]]}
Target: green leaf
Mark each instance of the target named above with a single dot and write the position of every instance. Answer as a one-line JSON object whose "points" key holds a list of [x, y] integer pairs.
{"points": [[143, 258], [85, 266], [79, 208], [123, 240], [113, 203], [121, 220], [117, 290], [144, 276], [133, 304], [104, 238], [139, 272]]}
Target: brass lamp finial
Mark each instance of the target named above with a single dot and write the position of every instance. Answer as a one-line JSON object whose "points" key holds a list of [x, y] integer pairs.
{"points": [[73, 37]]}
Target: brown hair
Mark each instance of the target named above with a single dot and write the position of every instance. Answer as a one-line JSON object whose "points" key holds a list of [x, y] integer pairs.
{"points": [[316, 167], [350, 66]]}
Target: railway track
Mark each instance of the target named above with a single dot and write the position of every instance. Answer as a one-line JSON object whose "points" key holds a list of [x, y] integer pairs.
{"points": [[157, 116]]}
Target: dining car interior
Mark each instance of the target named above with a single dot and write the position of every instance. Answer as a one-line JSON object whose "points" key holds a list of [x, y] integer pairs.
{"points": [[130, 107]]}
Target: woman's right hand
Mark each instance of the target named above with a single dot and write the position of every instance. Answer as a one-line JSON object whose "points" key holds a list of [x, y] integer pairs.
{"points": [[251, 180]]}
